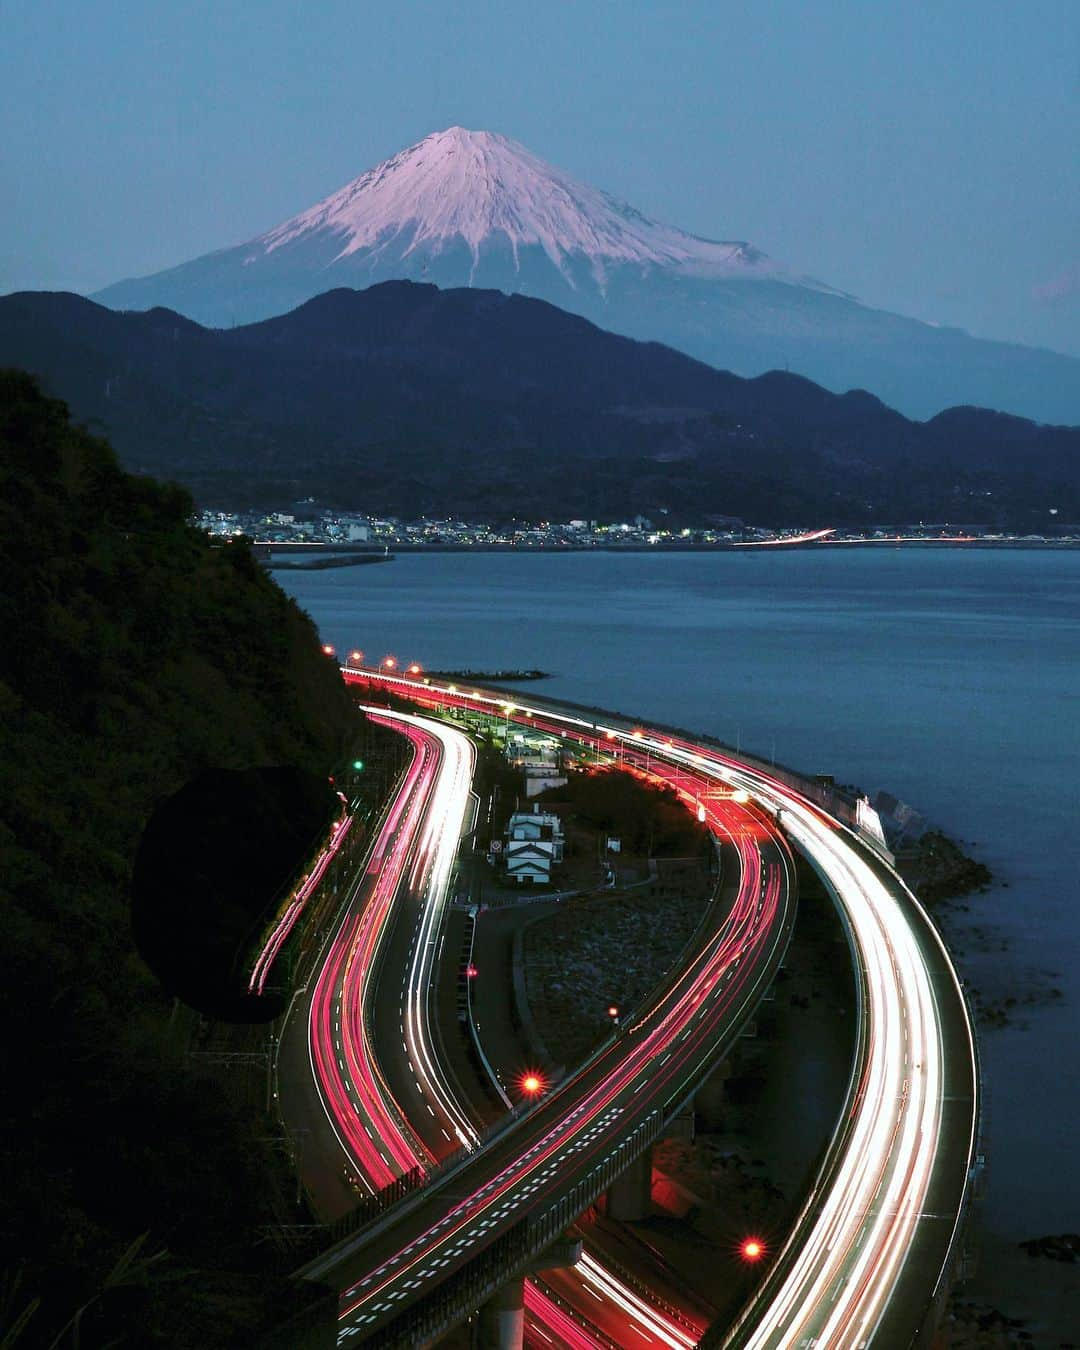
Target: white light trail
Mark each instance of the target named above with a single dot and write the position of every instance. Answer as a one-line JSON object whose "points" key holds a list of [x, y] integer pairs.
{"points": [[633, 1305], [844, 1271], [848, 1249], [432, 874]]}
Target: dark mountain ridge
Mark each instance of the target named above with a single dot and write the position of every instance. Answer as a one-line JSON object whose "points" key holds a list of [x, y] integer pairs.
{"points": [[407, 399], [474, 208]]}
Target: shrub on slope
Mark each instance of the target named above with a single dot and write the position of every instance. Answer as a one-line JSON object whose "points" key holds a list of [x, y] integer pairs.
{"points": [[134, 654]]}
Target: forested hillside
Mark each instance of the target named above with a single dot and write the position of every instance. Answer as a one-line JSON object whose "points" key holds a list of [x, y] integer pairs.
{"points": [[134, 655], [407, 400]]}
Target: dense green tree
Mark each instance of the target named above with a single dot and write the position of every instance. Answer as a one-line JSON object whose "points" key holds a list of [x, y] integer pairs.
{"points": [[648, 819]]}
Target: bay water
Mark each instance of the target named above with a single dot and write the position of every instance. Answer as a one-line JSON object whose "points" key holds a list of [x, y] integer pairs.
{"points": [[949, 677]]}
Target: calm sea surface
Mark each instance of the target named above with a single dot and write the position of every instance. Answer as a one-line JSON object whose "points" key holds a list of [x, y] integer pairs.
{"points": [[950, 678]]}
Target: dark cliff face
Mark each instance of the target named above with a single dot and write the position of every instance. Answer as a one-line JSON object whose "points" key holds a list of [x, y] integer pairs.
{"points": [[407, 399], [135, 655]]}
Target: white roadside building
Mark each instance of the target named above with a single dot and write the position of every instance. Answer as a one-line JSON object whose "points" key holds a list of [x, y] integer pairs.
{"points": [[534, 845]]}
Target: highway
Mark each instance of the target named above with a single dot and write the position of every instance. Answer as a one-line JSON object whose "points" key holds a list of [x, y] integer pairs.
{"points": [[399, 1072], [328, 1081], [855, 1270], [378, 1064], [436, 1112], [563, 1152], [594, 1292], [871, 1250], [411, 859]]}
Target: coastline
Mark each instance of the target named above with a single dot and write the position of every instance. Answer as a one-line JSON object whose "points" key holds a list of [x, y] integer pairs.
{"points": [[975, 544], [865, 666]]}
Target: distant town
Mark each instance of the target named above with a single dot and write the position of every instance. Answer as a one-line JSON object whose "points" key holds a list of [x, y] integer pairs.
{"points": [[308, 527]]}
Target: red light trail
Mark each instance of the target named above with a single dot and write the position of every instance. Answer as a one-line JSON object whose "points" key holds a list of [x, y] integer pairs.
{"points": [[840, 1268], [286, 921]]}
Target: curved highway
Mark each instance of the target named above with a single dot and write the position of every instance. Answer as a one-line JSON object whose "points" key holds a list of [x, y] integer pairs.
{"points": [[871, 1250], [560, 1155], [561, 1306], [327, 1076], [379, 1067]]}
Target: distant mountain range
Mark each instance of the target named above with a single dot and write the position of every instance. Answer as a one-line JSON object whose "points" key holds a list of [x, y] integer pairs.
{"points": [[407, 399], [470, 208]]}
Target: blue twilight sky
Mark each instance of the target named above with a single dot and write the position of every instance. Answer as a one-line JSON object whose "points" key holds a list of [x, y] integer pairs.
{"points": [[924, 155]]}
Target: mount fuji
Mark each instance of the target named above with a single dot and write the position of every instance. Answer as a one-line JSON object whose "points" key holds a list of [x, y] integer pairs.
{"points": [[472, 208]]}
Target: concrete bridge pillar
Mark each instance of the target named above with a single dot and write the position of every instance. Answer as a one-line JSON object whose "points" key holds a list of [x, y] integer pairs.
{"points": [[629, 1196], [709, 1098], [501, 1324]]}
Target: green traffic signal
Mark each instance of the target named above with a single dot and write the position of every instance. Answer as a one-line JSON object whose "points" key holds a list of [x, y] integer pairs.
{"points": [[358, 764]]}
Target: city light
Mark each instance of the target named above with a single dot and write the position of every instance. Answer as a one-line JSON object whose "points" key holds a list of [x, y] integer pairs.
{"points": [[752, 1250], [531, 1084], [327, 649], [389, 662]]}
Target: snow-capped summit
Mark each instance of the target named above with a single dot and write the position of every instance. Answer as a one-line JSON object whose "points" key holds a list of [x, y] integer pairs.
{"points": [[488, 191], [472, 208]]}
